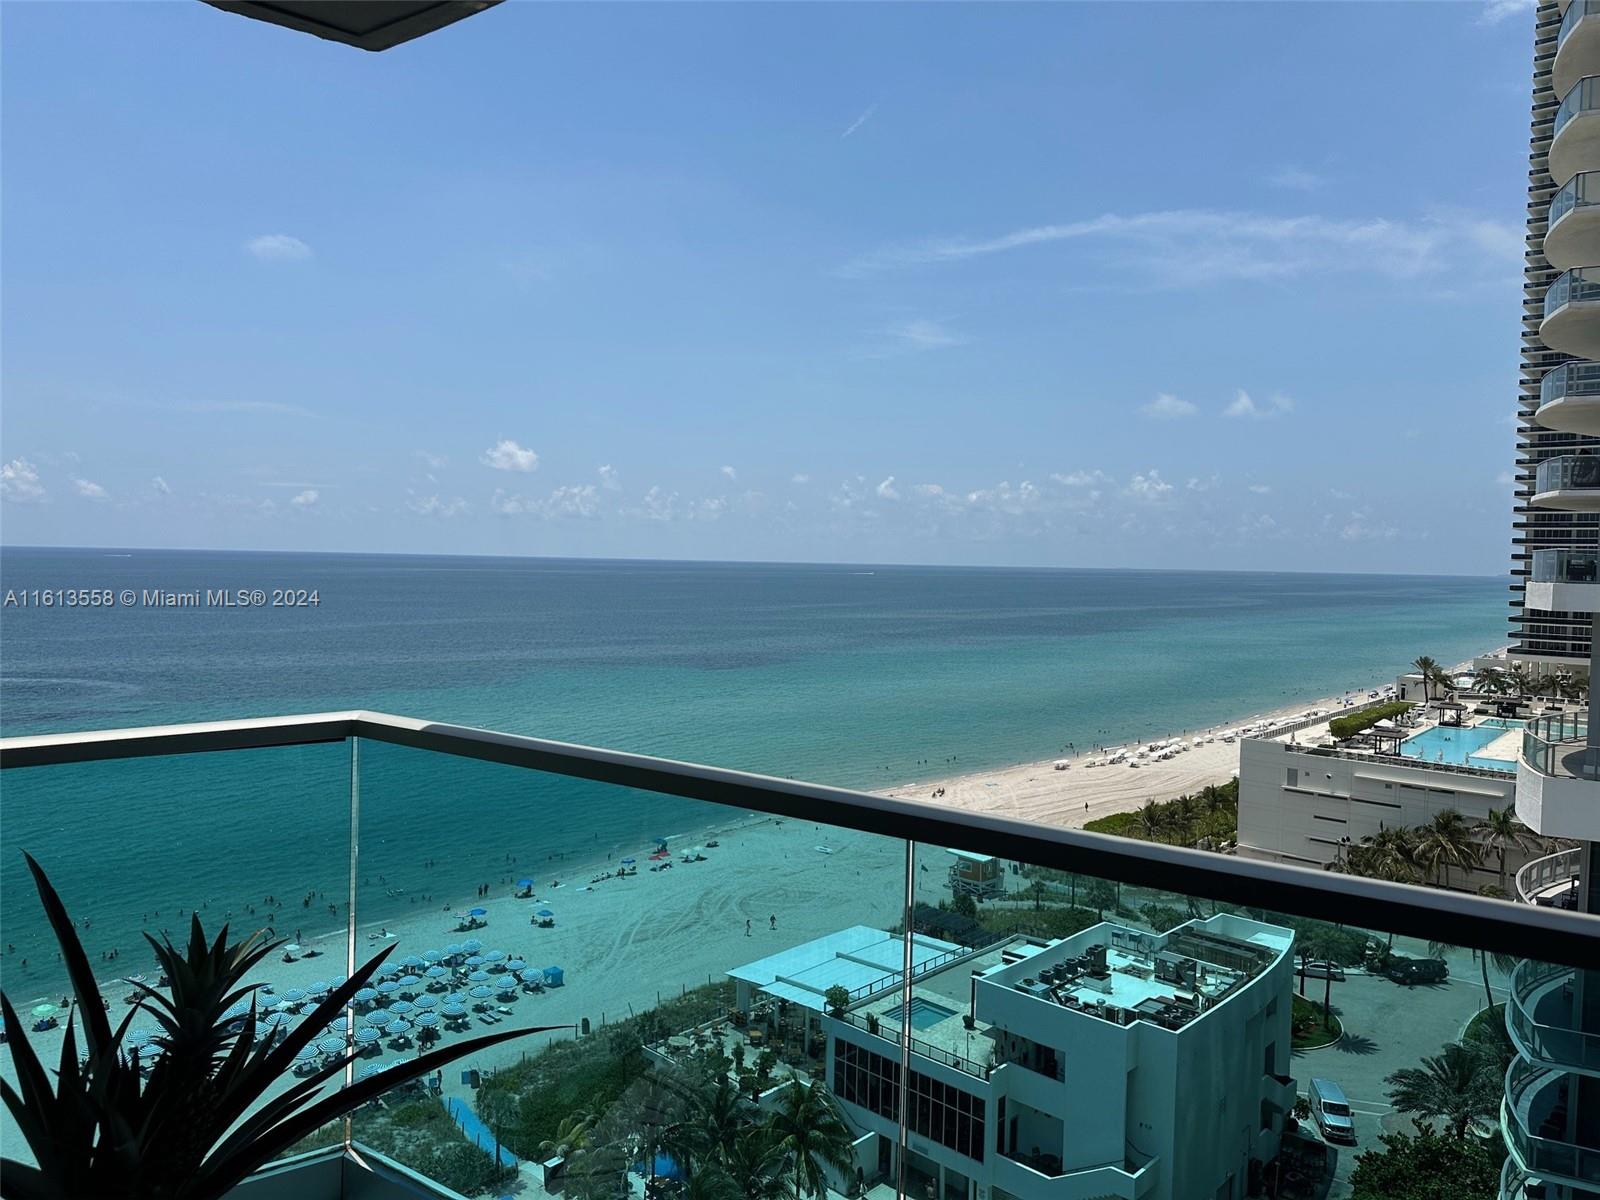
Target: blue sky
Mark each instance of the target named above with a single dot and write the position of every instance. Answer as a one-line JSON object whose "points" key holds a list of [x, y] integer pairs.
{"points": [[1080, 285]]}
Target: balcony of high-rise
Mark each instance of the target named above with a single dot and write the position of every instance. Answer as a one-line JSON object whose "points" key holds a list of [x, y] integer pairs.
{"points": [[1575, 134], [1569, 398], [1569, 482], [1572, 230], [1577, 45], [1571, 322]]}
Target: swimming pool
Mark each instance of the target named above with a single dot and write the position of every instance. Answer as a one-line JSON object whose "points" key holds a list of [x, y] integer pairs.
{"points": [[1460, 747], [925, 1012]]}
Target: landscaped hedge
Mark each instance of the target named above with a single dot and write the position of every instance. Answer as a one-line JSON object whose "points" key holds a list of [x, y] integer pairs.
{"points": [[1349, 726]]}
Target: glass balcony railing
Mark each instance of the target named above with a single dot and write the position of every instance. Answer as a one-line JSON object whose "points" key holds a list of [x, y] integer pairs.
{"points": [[1577, 286], [1558, 745], [1581, 191], [824, 954], [1576, 11], [1551, 880], [1570, 381], [1545, 1018], [1534, 1115], [1582, 97], [1568, 472], [1564, 566]]}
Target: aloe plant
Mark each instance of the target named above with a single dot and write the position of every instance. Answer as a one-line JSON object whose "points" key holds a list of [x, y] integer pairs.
{"points": [[104, 1130]]}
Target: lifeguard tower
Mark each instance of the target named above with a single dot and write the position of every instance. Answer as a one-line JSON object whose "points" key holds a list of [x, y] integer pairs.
{"points": [[980, 876]]}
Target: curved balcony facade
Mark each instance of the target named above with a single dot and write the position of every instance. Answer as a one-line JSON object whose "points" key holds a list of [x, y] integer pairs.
{"points": [[1569, 398], [1577, 45], [1570, 482], [1544, 1018], [1572, 223], [1551, 881], [1534, 1117], [1575, 138], [1557, 795], [1571, 321], [1563, 581]]}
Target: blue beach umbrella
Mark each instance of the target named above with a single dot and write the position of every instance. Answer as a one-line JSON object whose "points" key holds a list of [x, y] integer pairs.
{"points": [[339, 1024], [378, 1018], [400, 1008], [432, 956], [397, 1028], [276, 1019], [471, 946], [139, 1037], [411, 960], [236, 1011], [477, 912], [455, 998], [436, 971], [454, 949], [367, 1035], [331, 1045], [426, 1020], [508, 986], [494, 955], [478, 977], [320, 986], [476, 960], [533, 975], [410, 981], [628, 862], [305, 1054], [371, 1069], [481, 993], [545, 912], [388, 969], [516, 964], [454, 1010], [339, 981], [388, 987], [293, 996], [425, 1001], [524, 883], [366, 995]]}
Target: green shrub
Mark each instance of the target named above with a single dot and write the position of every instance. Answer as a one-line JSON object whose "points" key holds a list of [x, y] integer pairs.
{"points": [[1124, 824], [1162, 917], [1429, 1166], [1353, 723]]}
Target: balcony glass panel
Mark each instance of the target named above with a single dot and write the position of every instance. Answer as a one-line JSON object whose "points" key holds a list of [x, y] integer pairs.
{"points": [[1577, 286], [1538, 1104], [1571, 380], [1584, 96], [1576, 11], [1568, 472], [520, 899], [1580, 191], [1558, 745], [252, 839], [1546, 1017], [1564, 566]]}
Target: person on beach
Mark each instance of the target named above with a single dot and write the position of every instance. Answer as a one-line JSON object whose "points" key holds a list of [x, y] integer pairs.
{"points": [[772, 921], [747, 927]]}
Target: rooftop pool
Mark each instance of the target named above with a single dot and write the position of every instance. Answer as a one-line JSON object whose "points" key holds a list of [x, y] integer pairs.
{"points": [[1459, 747]]}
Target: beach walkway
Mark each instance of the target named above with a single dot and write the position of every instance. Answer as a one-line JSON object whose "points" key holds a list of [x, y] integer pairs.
{"points": [[461, 1113]]}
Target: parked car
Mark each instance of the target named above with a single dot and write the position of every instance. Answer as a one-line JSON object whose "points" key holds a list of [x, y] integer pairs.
{"points": [[1322, 969], [1411, 971], [1331, 1111]]}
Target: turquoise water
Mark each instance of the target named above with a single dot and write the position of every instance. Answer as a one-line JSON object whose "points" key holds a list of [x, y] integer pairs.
{"points": [[925, 1012], [1458, 746], [859, 676]]}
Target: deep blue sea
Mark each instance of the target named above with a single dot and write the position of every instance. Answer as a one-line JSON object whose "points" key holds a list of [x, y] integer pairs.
{"points": [[853, 675]]}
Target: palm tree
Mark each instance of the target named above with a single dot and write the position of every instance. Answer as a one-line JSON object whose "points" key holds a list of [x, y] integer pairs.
{"points": [[1445, 842], [1456, 1085], [754, 1163], [572, 1137], [1428, 669], [1492, 681], [1504, 963], [1152, 819], [809, 1136], [1500, 831]]}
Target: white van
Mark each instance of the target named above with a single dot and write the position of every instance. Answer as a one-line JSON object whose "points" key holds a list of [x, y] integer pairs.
{"points": [[1332, 1111]]}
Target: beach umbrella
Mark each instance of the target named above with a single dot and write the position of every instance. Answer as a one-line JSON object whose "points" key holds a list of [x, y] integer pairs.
{"points": [[533, 975], [400, 1008], [378, 1018], [516, 964], [425, 1002], [476, 960], [339, 1024], [478, 977], [494, 955], [140, 1037], [481, 993], [432, 956], [388, 969], [508, 987], [397, 1028], [524, 883], [292, 948], [453, 950], [293, 996], [306, 1054], [454, 1010], [388, 987], [319, 987], [44, 1010], [426, 1020], [371, 1069], [471, 946], [436, 971], [455, 998], [366, 995], [367, 1035], [331, 1045], [545, 912], [275, 1020], [236, 1011], [628, 862], [477, 912], [410, 981], [338, 981], [411, 960]]}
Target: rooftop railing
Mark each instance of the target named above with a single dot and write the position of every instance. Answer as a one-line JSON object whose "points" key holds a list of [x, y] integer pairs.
{"points": [[1567, 472], [349, 833], [1581, 284], [1582, 97]]}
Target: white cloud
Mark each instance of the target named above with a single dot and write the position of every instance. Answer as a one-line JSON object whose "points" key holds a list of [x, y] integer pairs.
{"points": [[1495, 11], [1361, 528], [886, 490], [1295, 179], [1202, 484], [1261, 489], [799, 477], [304, 499], [1082, 479], [659, 504], [506, 455], [278, 247], [608, 477], [90, 490], [573, 500], [19, 482], [434, 462], [437, 506], [1149, 487], [859, 121], [1003, 498], [1168, 407], [1244, 406], [730, 473], [924, 335], [161, 486], [1195, 247]]}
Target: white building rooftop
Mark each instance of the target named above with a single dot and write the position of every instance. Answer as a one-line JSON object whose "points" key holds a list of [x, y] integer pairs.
{"points": [[861, 959]]}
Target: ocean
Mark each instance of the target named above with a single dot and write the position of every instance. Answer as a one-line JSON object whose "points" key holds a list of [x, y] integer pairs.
{"points": [[861, 676]]}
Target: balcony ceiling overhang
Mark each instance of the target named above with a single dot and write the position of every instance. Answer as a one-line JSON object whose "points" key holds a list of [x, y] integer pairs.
{"points": [[364, 24]]}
